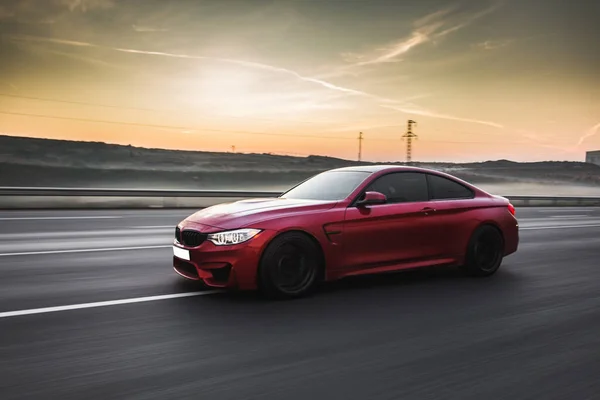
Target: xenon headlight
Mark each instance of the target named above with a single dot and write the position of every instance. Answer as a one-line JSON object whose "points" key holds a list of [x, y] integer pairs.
{"points": [[232, 237]]}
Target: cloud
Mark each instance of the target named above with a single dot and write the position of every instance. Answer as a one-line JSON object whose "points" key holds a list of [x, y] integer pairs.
{"points": [[13, 87], [434, 16], [267, 67], [51, 40], [390, 52], [493, 44], [397, 105], [588, 134], [87, 5], [46, 12], [433, 114], [71, 55], [426, 29], [468, 20], [6, 13], [88, 60], [249, 64], [539, 141], [140, 28]]}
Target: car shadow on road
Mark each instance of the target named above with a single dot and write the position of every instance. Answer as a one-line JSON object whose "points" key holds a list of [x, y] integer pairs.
{"points": [[185, 285], [424, 278], [433, 280]]}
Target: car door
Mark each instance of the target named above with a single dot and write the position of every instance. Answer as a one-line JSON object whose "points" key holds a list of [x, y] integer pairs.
{"points": [[393, 233], [453, 205]]}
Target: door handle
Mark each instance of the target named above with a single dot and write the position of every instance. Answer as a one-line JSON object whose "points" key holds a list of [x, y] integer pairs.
{"points": [[428, 210]]}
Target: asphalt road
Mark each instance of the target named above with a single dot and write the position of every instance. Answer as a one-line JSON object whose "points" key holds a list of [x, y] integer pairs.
{"points": [[529, 332]]}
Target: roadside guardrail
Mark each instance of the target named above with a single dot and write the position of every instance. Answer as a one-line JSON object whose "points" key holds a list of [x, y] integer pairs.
{"points": [[69, 198]]}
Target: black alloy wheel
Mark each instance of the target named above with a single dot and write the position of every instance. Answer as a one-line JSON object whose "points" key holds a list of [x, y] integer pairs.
{"points": [[485, 252], [290, 266]]}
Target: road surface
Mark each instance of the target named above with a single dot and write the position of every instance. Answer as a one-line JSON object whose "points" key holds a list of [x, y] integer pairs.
{"points": [[79, 319]]}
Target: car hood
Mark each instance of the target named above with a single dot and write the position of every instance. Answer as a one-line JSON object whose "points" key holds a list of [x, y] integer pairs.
{"points": [[245, 212]]}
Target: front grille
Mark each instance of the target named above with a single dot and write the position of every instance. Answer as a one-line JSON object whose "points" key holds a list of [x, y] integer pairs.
{"points": [[192, 238], [178, 234]]}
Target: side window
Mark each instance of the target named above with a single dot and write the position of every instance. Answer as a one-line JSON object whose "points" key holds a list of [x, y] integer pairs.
{"points": [[442, 188], [402, 187]]}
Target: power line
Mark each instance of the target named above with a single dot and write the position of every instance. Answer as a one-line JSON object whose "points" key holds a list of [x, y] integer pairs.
{"points": [[95, 120], [464, 142], [222, 115], [216, 130], [83, 103], [187, 128]]}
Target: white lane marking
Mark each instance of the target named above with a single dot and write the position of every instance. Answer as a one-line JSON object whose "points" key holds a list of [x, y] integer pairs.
{"points": [[574, 216], [68, 236], [586, 218], [108, 303], [33, 253], [567, 210], [160, 215], [41, 218], [532, 228], [154, 227]]}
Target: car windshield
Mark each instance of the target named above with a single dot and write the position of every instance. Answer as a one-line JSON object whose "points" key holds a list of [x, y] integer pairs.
{"points": [[328, 186]]}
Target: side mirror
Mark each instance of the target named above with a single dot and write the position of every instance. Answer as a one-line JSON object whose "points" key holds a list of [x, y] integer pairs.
{"points": [[371, 198]]}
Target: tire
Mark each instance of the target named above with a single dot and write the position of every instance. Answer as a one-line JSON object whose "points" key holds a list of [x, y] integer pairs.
{"points": [[485, 252], [290, 267]]}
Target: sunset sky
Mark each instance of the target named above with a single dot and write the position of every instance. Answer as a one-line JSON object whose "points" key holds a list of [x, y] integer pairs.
{"points": [[514, 79]]}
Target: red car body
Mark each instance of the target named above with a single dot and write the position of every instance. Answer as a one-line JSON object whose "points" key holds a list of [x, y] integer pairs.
{"points": [[354, 240]]}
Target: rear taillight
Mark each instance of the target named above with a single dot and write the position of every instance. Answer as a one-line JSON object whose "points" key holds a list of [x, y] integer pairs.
{"points": [[511, 209]]}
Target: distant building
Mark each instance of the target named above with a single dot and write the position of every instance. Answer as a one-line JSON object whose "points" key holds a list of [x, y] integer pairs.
{"points": [[593, 157]]}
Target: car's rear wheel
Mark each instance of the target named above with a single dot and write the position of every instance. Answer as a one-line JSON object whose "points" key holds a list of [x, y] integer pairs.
{"points": [[289, 267], [485, 251]]}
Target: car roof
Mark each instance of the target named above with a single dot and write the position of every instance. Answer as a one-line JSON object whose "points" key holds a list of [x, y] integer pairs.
{"points": [[380, 168], [384, 168]]}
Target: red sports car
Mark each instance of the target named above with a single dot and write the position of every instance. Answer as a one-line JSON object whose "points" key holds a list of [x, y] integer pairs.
{"points": [[347, 221]]}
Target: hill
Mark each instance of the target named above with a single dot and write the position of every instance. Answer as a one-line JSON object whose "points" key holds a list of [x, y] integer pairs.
{"points": [[44, 162]]}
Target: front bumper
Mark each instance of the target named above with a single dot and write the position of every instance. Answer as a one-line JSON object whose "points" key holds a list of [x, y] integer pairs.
{"points": [[233, 266]]}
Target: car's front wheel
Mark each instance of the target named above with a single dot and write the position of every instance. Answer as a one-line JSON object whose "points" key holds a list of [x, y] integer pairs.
{"points": [[289, 267], [485, 251]]}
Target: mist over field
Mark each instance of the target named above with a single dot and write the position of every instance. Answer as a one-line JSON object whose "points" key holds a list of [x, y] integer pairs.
{"points": [[532, 189], [27, 162]]}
